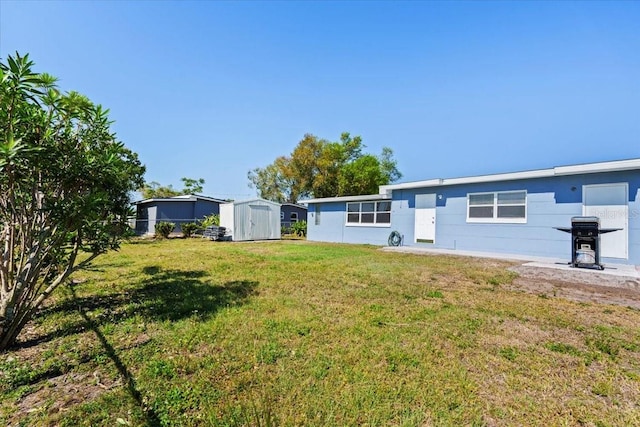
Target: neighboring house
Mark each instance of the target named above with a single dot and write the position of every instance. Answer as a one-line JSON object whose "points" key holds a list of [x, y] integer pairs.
{"points": [[178, 209], [291, 213], [255, 219], [511, 213]]}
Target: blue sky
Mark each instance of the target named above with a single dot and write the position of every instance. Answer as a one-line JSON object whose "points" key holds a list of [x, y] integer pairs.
{"points": [[214, 89]]}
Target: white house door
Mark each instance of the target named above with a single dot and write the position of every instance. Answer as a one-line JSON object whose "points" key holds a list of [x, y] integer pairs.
{"points": [[609, 202], [425, 219]]}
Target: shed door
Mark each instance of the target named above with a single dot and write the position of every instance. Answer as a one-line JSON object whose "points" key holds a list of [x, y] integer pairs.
{"points": [[260, 222], [425, 221], [609, 202]]}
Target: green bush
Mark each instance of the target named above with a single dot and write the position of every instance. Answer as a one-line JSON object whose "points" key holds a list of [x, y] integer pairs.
{"points": [[163, 229], [189, 228], [299, 228], [209, 220]]}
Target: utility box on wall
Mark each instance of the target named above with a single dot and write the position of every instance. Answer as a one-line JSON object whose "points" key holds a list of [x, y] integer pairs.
{"points": [[255, 219]]}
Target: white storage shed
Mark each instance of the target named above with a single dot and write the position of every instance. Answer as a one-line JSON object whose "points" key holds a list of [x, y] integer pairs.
{"points": [[255, 219]]}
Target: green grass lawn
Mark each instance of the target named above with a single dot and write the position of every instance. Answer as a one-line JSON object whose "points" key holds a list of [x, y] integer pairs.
{"points": [[193, 332]]}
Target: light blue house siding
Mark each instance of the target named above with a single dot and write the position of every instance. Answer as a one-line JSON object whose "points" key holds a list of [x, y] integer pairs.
{"points": [[332, 226], [550, 202]]}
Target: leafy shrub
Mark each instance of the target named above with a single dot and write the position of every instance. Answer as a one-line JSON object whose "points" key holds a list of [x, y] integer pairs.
{"points": [[299, 228], [164, 228], [209, 220], [189, 228]]}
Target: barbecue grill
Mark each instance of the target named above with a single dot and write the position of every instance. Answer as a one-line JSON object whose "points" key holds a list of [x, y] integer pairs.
{"points": [[585, 241]]}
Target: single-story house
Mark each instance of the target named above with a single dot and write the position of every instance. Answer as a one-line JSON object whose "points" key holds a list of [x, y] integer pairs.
{"points": [[291, 213], [254, 219], [178, 209], [510, 213]]}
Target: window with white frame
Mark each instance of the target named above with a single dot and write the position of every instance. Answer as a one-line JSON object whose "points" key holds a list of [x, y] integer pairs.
{"points": [[293, 217], [499, 206], [369, 213]]}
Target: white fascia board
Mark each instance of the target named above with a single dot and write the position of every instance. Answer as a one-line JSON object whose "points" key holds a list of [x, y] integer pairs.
{"points": [[620, 165], [469, 180], [182, 198], [198, 197], [166, 199], [386, 189], [513, 176], [347, 199]]}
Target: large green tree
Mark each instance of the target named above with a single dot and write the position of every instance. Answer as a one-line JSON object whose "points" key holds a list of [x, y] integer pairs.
{"points": [[320, 168], [154, 189], [275, 181], [65, 181]]}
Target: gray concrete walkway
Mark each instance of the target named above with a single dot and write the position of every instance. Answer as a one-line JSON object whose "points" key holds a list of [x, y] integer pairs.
{"points": [[621, 270]]}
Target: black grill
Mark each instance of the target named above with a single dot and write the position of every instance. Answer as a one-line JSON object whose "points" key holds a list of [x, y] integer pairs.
{"points": [[585, 241]]}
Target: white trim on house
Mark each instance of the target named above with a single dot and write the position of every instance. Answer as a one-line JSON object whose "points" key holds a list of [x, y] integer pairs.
{"points": [[181, 198], [379, 225], [367, 197], [495, 208], [373, 213], [614, 166]]}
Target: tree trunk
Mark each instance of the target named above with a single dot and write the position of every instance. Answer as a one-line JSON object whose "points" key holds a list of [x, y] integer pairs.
{"points": [[8, 336], [9, 325]]}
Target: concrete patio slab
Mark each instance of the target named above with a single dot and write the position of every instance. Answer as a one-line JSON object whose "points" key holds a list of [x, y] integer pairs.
{"points": [[620, 270]]}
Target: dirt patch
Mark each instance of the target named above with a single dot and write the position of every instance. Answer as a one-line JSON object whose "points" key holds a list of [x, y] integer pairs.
{"points": [[60, 393], [578, 285]]}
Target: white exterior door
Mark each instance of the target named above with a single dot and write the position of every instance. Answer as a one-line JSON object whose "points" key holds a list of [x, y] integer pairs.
{"points": [[425, 219], [609, 202]]}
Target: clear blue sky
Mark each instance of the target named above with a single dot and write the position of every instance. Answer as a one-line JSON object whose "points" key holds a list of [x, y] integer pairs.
{"points": [[213, 89]]}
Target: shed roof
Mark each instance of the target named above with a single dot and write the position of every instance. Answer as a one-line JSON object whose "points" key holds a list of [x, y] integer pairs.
{"points": [[257, 199]]}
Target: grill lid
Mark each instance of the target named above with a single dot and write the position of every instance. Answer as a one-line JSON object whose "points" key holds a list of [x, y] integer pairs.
{"points": [[585, 220]]}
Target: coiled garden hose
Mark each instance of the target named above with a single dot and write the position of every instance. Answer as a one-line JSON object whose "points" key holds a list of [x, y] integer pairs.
{"points": [[395, 238]]}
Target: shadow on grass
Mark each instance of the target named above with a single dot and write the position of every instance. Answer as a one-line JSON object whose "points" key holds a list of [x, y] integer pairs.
{"points": [[163, 295], [152, 419]]}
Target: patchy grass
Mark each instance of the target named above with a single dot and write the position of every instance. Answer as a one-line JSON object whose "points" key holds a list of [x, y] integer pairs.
{"points": [[191, 332]]}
